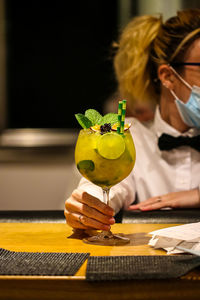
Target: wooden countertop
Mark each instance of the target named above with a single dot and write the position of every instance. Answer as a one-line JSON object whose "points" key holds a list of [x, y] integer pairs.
{"points": [[57, 237]]}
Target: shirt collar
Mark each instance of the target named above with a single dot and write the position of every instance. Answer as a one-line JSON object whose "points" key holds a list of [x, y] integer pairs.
{"points": [[160, 127]]}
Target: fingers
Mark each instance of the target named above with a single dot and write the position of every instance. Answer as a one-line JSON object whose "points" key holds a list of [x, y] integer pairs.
{"points": [[73, 220], [147, 202], [154, 203], [92, 201], [155, 206], [83, 222], [144, 203], [85, 211]]}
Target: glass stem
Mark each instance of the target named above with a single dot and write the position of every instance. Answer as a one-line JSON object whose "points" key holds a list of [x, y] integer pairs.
{"points": [[106, 196], [106, 201]]}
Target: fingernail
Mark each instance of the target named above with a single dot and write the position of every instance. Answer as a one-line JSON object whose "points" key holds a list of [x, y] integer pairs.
{"points": [[111, 220]]}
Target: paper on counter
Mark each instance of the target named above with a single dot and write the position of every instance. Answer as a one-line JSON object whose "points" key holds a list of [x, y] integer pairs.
{"points": [[187, 236], [191, 251], [182, 232]]}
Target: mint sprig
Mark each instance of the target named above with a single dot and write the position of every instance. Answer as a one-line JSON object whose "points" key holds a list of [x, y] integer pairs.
{"points": [[93, 117]]}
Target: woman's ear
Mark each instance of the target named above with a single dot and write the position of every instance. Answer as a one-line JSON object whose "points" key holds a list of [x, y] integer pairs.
{"points": [[166, 76]]}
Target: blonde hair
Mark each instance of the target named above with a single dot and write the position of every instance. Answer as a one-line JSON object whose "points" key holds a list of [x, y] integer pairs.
{"points": [[145, 43]]}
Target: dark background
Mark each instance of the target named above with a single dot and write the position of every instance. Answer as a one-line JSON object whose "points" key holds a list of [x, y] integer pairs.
{"points": [[58, 60]]}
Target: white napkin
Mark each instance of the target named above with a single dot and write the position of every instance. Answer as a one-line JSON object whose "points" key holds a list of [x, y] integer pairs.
{"points": [[185, 236]]}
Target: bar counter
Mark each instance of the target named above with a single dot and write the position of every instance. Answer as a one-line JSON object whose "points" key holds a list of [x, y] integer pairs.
{"points": [[58, 237]]}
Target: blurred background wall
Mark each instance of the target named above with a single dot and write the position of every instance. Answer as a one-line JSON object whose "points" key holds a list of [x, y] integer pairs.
{"points": [[55, 61]]}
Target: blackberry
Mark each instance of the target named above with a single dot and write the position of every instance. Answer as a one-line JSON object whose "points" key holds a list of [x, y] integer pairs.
{"points": [[105, 128]]}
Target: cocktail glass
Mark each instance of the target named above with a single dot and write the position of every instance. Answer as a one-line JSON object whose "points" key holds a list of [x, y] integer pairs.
{"points": [[105, 160]]}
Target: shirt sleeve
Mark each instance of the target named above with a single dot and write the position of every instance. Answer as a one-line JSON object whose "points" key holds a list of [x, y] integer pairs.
{"points": [[121, 195]]}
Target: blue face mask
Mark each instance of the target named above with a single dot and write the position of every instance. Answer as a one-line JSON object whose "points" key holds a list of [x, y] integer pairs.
{"points": [[190, 111]]}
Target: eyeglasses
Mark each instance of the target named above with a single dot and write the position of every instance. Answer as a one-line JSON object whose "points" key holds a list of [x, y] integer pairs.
{"points": [[185, 64]]}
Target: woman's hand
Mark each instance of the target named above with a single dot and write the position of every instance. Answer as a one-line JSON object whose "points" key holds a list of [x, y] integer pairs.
{"points": [[185, 199], [84, 211]]}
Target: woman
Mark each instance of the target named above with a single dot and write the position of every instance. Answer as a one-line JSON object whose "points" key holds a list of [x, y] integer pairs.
{"points": [[158, 63]]}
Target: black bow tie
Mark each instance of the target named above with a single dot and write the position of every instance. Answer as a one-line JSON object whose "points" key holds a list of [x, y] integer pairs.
{"points": [[168, 142]]}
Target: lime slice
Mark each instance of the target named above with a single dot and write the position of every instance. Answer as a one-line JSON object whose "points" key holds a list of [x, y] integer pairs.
{"points": [[111, 145], [126, 126]]}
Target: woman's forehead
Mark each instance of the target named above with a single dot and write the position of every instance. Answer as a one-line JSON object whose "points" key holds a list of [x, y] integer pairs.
{"points": [[193, 52]]}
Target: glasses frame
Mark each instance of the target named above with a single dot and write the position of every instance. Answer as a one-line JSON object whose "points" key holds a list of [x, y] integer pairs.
{"points": [[185, 64]]}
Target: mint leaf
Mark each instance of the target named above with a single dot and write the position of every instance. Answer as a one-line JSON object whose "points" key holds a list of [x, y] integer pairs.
{"points": [[83, 121], [86, 165], [94, 116], [109, 118]]}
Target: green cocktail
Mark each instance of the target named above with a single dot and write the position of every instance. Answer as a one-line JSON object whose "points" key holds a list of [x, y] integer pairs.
{"points": [[105, 155], [104, 159]]}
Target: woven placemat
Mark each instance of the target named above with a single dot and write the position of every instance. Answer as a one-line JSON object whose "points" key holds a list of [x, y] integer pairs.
{"points": [[40, 263], [139, 267]]}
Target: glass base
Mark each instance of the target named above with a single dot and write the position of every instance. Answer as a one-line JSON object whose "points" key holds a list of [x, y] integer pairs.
{"points": [[106, 238]]}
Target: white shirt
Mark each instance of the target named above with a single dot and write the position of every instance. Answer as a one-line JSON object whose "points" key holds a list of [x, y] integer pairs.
{"points": [[155, 172]]}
